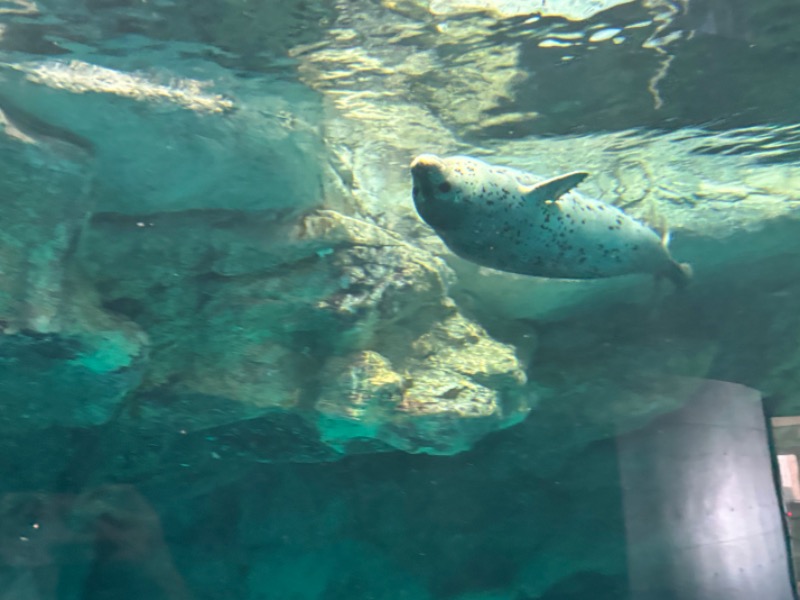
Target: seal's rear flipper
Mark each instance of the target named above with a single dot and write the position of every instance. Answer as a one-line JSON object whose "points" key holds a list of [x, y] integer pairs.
{"points": [[679, 273]]}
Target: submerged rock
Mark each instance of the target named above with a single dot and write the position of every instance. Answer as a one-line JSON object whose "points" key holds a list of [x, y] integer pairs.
{"points": [[456, 386], [63, 359], [328, 316], [162, 142]]}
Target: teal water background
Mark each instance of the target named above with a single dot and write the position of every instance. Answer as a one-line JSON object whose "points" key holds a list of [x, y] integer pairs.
{"points": [[234, 363]]}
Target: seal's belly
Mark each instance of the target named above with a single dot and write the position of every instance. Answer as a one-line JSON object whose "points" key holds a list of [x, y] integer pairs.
{"points": [[572, 240]]}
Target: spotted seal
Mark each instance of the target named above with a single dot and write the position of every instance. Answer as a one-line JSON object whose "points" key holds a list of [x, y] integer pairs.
{"points": [[497, 217]]}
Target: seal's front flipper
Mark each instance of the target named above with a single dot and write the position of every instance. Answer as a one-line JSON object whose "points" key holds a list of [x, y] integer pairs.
{"points": [[552, 189]]}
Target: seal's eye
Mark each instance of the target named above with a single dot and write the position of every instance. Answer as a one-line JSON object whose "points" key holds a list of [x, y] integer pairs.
{"points": [[444, 187], [414, 191]]}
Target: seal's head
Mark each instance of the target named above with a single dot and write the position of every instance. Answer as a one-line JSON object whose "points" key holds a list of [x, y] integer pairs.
{"points": [[436, 192]]}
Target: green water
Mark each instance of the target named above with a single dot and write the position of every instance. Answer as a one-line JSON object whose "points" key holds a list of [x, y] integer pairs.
{"points": [[235, 364]]}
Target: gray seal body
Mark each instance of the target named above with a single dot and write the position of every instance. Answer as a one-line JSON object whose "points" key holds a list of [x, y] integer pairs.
{"points": [[496, 217]]}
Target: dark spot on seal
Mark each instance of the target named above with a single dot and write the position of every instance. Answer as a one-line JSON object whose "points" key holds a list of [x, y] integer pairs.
{"points": [[444, 187], [415, 191]]}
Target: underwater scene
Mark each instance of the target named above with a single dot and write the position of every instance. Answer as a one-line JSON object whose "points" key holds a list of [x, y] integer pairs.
{"points": [[399, 299]]}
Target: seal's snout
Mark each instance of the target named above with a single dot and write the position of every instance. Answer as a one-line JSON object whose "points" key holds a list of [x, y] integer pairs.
{"points": [[428, 173], [425, 162]]}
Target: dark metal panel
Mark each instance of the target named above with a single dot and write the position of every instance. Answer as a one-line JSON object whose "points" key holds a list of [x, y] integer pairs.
{"points": [[702, 515]]}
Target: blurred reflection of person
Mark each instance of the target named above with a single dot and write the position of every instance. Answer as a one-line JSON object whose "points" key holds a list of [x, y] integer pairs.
{"points": [[111, 533]]}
